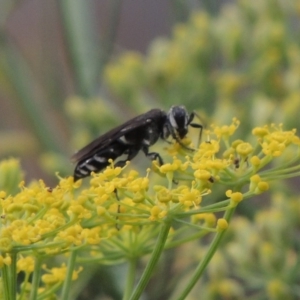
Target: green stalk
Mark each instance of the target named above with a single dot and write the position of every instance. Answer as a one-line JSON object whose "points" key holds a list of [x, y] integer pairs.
{"points": [[157, 251], [210, 253], [36, 278], [13, 278], [5, 283], [24, 286], [130, 278], [67, 283]]}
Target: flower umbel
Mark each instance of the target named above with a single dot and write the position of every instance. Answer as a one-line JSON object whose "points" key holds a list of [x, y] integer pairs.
{"points": [[122, 215]]}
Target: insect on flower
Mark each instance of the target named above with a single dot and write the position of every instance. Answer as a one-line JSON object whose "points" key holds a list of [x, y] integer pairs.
{"points": [[135, 135]]}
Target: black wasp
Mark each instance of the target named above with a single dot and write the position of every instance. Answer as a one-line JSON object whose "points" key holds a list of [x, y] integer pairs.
{"points": [[133, 136]]}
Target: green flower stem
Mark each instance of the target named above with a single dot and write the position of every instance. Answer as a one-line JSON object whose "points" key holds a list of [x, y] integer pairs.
{"points": [[281, 177], [13, 278], [190, 238], [49, 291], [24, 286], [216, 207], [130, 278], [6, 278], [10, 278], [210, 253], [36, 278], [160, 243], [67, 283], [279, 171]]}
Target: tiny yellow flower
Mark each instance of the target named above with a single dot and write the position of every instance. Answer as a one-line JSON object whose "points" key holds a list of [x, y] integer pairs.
{"points": [[235, 198], [25, 264], [5, 260], [138, 197], [226, 131], [273, 148], [202, 175], [58, 275], [189, 198], [257, 185], [255, 161], [244, 149], [209, 219], [91, 235], [163, 194], [262, 187], [157, 213], [260, 131], [222, 224]]}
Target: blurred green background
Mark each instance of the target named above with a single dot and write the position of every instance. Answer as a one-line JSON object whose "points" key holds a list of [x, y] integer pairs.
{"points": [[53, 55], [72, 69]]}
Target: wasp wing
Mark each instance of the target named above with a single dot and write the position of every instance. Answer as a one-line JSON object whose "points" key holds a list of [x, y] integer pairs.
{"points": [[106, 139]]}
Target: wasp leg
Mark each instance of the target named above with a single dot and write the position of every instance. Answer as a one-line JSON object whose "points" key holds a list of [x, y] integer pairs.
{"points": [[131, 152], [196, 125], [153, 155]]}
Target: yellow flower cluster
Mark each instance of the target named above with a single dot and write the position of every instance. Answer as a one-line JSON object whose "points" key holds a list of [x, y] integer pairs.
{"points": [[117, 204]]}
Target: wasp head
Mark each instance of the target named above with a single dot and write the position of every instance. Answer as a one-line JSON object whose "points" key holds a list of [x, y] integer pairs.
{"points": [[178, 121]]}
